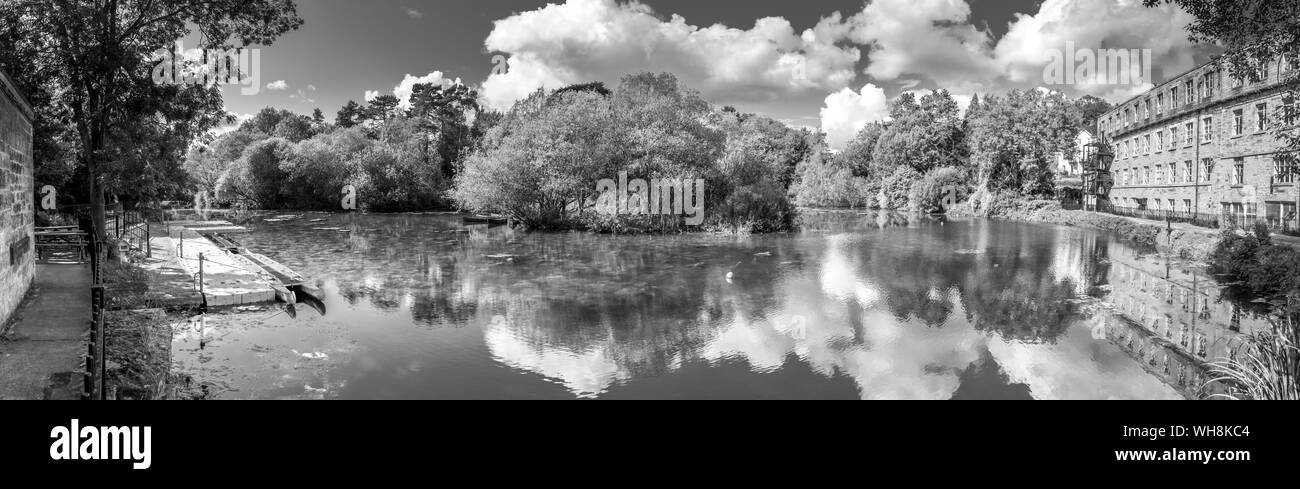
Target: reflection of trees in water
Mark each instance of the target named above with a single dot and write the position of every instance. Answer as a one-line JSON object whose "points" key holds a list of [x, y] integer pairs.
{"points": [[643, 307], [1004, 283]]}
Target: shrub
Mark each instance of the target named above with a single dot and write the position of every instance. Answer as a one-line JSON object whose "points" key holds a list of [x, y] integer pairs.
{"points": [[928, 193], [898, 187]]}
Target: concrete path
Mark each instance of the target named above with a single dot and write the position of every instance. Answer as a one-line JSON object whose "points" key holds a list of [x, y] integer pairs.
{"points": [[42, 349]]}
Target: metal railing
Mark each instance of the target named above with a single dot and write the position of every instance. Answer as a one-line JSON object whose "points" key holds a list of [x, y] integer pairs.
{"points": [[1203, 219], [94, 378], [1277, 224]]}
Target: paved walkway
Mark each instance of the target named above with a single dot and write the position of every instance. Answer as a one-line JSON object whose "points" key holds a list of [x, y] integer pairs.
{"points": [[42, 350]]}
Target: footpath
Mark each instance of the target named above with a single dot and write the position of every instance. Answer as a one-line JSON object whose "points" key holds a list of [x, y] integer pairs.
{"points": [[43, 346]]}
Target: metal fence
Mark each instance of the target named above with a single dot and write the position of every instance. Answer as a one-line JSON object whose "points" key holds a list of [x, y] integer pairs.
{"points": [[1203, 219], [1226, 220], [94, 378]]}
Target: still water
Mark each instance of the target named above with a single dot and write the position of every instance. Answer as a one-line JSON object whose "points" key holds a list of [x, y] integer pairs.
{"points": [[855, 306]]}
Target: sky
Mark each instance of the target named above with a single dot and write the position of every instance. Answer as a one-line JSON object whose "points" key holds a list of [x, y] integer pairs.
{"points": [[824, 64]]}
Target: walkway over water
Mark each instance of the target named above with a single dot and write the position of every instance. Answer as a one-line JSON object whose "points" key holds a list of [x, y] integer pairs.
{"points": [[42, 349]]}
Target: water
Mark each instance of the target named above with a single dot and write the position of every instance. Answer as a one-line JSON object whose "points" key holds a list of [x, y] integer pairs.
{"points": [[857, 305]]}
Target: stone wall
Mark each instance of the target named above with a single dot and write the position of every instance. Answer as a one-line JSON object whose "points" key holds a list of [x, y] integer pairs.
{"points": [[1159, 167], [17, 206]]}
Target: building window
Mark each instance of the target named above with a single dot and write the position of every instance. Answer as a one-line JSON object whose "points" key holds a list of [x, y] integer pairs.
{"points": [[1148, 109], [1207, 129], [1160, 103], [1261, 117], [1146, 175], [1238, 171], [1160, 175], [1207, 169], [1283, 172], [1173, 138], [1191, 94], [1187, 207], [1146, 144], [1173, 97], [1236, 122], [1189, 132], [1188, 171], [1160, 141], [1288, 110]]}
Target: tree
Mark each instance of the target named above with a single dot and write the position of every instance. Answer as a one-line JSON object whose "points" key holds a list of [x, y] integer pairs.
{"points": [[1014, 137], [348, 116], [1090, 109], [94, 57], [381, 108], [442, 112], [858, 156], [922, 135]]}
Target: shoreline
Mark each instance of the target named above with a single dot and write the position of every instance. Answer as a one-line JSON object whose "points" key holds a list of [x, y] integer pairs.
{"points": [[1177, 240]]}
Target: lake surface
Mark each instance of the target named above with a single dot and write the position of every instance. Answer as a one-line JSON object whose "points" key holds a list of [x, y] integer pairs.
{"points": [[857, 305]]}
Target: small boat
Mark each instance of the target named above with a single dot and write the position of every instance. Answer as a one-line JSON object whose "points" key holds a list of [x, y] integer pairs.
{"points": [[481, 219]]}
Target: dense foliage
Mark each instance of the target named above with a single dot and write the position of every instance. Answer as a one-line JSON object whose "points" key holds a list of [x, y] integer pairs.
{"points": [[541, 163], [928, 149]]}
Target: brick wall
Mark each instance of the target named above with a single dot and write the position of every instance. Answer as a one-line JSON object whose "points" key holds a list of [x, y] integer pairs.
{"points": [[17, 206]]}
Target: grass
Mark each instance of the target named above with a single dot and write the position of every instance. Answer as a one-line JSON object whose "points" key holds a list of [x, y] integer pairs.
{"points": [[1268, 367]]}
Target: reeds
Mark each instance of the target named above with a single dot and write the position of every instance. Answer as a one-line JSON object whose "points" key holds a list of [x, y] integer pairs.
{"points": [[1267, 367]]}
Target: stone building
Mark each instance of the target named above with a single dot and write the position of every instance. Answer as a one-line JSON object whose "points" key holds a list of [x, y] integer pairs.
{"points": [[17, 206], [1204, 142]]}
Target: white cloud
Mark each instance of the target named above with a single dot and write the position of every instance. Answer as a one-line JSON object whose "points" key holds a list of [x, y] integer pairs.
{"points": [[601, 40], [930, 38], [414, 14], [227, 128], [1095, 24], [846, 112], [277, 85], [406, 87]]}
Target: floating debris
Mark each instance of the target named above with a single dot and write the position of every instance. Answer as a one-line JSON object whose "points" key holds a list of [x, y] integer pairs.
{"points": [[315, 355]]}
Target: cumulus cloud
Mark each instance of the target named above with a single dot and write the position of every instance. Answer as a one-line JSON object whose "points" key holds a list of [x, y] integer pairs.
{"points": [[278, 85], [1095, 24], [846, 112], [931, 38], [406, 87], [601, 40]]}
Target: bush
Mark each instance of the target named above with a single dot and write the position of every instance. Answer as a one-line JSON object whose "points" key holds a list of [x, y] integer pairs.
{"points": [[1268, 270], [928, 193], [898, 187]]}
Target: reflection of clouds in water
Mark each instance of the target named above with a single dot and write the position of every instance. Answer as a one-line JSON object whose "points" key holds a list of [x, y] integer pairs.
{"points": [[834, 320], [585, 373], [1075, 372]]}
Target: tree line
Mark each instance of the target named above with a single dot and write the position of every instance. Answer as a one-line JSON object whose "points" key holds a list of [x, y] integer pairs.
{"points": [[929, 150]]}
